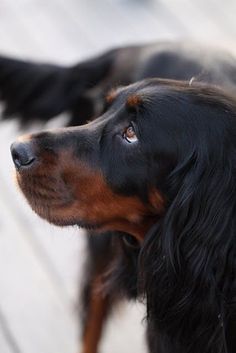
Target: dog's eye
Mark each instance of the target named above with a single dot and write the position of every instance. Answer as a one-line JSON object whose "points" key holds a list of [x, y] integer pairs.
{"points": [[129, 134]]}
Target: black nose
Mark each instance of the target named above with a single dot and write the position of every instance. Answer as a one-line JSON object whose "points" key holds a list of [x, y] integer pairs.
{"points": [[22, 154]]}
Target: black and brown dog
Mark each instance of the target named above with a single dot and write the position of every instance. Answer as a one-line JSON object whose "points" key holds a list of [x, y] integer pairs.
{"points": [[159, 165], [155, 172]]}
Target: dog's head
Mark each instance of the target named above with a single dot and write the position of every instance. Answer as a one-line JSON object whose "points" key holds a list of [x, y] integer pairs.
{"points": [[123, 170]]}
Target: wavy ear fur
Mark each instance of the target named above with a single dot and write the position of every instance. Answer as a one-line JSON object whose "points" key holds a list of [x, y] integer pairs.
{"points": [[188, 259]]}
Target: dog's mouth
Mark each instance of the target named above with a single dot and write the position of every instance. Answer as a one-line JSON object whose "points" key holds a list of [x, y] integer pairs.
{"points": [[55, 199], [52, 200]]}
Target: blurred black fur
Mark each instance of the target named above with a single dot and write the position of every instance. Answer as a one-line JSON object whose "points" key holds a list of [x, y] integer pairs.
{"points": [[42, 91]]}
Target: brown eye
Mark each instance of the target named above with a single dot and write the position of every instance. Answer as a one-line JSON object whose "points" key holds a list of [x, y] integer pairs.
{"points": [[130, 135]]}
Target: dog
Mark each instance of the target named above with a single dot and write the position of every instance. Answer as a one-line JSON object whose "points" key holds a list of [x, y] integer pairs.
{"points": [[158, 165], [41, 91]]}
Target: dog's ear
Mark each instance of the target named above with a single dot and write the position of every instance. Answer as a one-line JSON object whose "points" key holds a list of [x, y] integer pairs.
{"points": [[42, 91], [188, 261]]}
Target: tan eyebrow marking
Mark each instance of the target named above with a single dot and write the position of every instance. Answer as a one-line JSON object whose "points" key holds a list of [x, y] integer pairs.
{"points": [[111, 96], [134, 100]]}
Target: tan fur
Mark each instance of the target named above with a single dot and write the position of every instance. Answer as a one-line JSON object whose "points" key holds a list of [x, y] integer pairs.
{"points": [[133, 100]]}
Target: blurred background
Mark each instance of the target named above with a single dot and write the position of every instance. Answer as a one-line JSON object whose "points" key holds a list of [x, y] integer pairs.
{"points": [[40, 265]]}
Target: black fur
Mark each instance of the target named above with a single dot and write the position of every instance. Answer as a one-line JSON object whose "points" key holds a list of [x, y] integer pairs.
{"points": [[188, 259]]}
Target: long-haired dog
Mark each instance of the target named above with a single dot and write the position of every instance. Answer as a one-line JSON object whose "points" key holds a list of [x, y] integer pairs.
{"points": [[117, 266], [159, 165]]}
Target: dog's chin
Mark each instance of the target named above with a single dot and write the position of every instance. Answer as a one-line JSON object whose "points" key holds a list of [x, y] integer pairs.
{"points": [[56, 212], [74, 222], [56, 215]]}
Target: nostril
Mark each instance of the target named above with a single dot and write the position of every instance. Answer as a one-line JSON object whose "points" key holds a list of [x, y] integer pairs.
{"points": [[16, 159], [22, 154]]}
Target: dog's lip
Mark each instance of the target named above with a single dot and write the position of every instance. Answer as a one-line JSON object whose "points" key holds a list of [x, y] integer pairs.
{"points": [[90, 225], [77, 222]]}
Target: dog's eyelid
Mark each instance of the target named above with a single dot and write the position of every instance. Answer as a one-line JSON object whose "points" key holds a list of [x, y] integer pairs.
{"points": [[136, 122]]}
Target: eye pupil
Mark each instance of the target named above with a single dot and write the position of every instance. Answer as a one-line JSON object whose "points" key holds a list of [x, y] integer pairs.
{"points": [[130, 132], [130, 135]]}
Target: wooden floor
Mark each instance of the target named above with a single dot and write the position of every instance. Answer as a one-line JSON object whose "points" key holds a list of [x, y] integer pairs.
{"points": [[40, 265]]}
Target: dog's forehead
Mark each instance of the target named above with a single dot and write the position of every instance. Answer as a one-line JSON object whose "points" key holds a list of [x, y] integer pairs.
{"points": [[146, 91], [131, 96]]}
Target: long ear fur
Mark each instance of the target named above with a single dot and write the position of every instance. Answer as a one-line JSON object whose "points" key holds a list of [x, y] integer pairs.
{"points": [[188, 260], [41, 91]]}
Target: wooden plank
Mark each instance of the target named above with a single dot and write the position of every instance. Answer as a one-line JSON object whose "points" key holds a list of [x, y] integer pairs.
{"points": [[5, 348], [36, 316], [7, 341], [47, 34], [13, 30], [150, 21], [223, 15], [199, 24]]}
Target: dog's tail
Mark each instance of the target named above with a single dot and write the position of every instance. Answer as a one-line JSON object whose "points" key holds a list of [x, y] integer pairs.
{"points": [[35, 91]]}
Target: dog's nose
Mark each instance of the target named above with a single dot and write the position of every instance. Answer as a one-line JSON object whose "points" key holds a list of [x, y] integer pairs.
{"points": [[22, 154]]}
